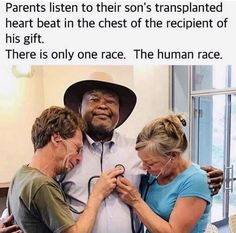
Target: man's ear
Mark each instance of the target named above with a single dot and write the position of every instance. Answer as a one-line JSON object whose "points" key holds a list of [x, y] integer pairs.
{"points": [[55, 139]]}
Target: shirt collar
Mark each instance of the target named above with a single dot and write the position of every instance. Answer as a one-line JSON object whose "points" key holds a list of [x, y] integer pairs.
{"points": [[113, 140]]}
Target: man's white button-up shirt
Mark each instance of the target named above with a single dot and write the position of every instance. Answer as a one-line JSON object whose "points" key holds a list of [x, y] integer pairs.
{"points": [[113, 215]]}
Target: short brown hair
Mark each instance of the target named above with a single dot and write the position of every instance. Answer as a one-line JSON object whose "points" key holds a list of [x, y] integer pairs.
{"points": [[54, 120]]}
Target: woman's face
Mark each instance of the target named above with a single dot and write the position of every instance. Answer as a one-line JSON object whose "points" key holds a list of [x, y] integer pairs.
{"points": [[155, 164]]}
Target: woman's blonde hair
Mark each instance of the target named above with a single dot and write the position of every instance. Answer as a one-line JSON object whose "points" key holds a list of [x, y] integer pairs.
{"points": [[164, 135]]}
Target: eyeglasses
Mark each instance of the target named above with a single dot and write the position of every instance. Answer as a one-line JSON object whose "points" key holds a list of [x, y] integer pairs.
{"points": [[66, 142]]}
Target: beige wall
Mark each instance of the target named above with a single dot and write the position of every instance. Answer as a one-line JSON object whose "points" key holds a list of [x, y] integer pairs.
{"points": [[151, 85], [22, 99]]}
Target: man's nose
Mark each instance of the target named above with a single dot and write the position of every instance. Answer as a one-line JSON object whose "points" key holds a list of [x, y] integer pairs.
{"points": [[102, 103], [78, 159], [79, 156]]}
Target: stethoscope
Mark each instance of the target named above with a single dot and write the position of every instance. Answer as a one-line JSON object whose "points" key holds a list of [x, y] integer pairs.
{"points": [[72, 209], [147, 184], [144, 181], [61, 178]]}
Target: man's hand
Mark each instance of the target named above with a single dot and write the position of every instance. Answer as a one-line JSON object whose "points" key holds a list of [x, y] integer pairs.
{"points": [[106, 183], [7, 227], [215, 178]]}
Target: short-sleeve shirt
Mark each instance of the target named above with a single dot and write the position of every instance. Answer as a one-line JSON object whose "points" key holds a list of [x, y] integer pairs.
{"points": [[37, 203], [190, 183]]}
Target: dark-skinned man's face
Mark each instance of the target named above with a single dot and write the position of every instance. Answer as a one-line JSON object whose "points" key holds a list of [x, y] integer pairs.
{"points": [[100, 110]]}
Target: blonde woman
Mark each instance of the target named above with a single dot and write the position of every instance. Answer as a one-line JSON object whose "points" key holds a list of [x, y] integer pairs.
{"points": [[176, 197]]}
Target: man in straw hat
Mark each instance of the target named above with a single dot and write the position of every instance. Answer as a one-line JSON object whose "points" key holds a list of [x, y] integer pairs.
{"points": [[104, 106]]}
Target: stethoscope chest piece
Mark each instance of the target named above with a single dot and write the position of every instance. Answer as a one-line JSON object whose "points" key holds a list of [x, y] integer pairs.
{"points": [[121, 167]]}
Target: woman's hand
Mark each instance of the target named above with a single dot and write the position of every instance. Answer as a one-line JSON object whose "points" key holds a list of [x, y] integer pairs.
{"points": [[215, 178], [127, 191]]}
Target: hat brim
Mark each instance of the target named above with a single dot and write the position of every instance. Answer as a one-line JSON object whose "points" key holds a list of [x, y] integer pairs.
{"points": [[127, 98]]}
